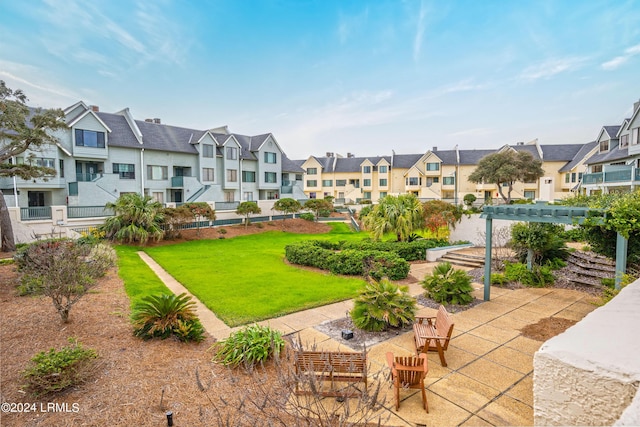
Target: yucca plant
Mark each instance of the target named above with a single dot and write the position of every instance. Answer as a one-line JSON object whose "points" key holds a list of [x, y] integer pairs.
{"points": [[383, 304], [448, 285], [248, 346], [160, 316]]}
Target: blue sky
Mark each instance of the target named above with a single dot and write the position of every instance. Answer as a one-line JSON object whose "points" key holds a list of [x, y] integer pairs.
{"points": [[365, 77]]}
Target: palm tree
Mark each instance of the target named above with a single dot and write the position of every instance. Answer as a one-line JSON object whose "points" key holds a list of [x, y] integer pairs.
{"points": [[137, 219], [401, 215]]}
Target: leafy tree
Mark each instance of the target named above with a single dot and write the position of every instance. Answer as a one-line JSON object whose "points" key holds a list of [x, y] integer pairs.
{"points": [[469, 199], [247, 209], [538, 242], [287, 206], [401, 215], [64, 270], [318, 205], [199, 210], [439, 214], [174, 220], [138, 219], [22, 129], [507, 167]]}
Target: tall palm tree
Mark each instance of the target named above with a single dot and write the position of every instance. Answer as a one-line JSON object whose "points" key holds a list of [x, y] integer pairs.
{"points": [[401, 215], [137, 219]]}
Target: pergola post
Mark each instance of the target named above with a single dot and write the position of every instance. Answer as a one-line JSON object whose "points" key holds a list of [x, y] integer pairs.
{"points": [[487, 258], [621, 258]]}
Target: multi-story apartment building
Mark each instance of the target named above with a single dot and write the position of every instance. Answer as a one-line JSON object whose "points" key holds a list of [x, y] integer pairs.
{"points": [[103, 155], [439, 174], [614, 165]]}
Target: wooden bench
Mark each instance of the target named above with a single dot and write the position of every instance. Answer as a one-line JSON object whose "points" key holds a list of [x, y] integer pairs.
{"points": [[315, 367], [433, 333]]}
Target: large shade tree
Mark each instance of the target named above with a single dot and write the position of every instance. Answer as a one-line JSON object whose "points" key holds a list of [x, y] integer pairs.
{"points": [[401, 215], [505, 168], [22, 129]]}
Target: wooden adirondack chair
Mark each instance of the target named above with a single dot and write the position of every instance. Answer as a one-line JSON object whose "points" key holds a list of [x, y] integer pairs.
{"points": [[409, 372]]}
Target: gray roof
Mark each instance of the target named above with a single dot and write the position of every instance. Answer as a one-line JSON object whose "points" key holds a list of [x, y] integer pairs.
{"points": [[612, 130], [610, 156], [289, 165], [473, 157], [121, 134], [560, 152], [156, 136], [584, 150], [531, 149], [405, 161], [352, 164]]}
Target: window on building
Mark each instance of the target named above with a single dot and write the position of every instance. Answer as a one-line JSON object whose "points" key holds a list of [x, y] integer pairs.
{"points": [[413, 180], [248, 196], [232, 153], [272, 195], [89, 138], [448, 180], [436, 179], [383, 169], [530, 194], [208, 174], [341, 182], [383, 182], [157, 172], [312, 171], [207, 150], [61, 168], [596, 168], [298, 177], [327, 182], [567, 178], [635, 136], [604, 146], [624, 141], [229, 196], [270, 157], [579, 176], [270, 177], [383, 194], [126, 171], [158, 196], [433, 166], [367, 195], [312, 183], [355, 183], [366, 182], [366, 169], [573, 177], [248, 176], [232, 175]]}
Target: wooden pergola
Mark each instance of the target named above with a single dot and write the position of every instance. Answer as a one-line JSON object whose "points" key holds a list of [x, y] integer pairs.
{"points": [[549, 214]]}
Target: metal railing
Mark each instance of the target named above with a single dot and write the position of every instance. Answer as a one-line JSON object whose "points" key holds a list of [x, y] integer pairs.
{"points": [[87, 177], [34, 213], [227, 206], [88, 211]]}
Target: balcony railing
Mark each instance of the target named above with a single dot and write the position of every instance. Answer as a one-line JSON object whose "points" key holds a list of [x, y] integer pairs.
{"points": [[87, 177], [227, 206], [35, 213], [592, 178], [88, 211], [177, 181], [617, 176]]}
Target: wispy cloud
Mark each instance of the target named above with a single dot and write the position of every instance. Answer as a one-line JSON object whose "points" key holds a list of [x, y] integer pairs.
{"points": [[350, 24], [551, 68], [622, 59], [22, 76], [420, 29]]}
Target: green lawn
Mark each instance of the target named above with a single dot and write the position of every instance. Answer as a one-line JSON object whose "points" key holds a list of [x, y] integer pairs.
{"points": [[245, 279], [139, 279]]}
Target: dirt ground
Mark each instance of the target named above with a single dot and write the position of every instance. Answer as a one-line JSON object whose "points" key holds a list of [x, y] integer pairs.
{"points": [[135, 381]]}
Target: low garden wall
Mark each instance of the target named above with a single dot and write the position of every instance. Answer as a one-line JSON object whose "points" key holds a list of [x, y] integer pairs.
{"points": [[589, 375]]}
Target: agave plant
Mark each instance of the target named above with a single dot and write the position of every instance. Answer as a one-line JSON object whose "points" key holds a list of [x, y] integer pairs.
{"points": [[448, 285], [160, 316], [383, 304]]}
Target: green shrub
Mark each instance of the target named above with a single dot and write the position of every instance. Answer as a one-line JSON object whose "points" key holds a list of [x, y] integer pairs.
{"points": [[555, 263], [308, 216], [375, 264], [308, 253], [324, 213], [448, 285], [383, 304], [54, 371], [410, 251], [498, 279], [608, 282], [609, 291], [161, 316], [469, 199], [515, 271], [543, 239], [248, 346], [259, 225], [538, 277]]}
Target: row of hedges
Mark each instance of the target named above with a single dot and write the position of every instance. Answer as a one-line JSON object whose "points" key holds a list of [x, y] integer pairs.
{"points": [[410, 251], [324, 255]]}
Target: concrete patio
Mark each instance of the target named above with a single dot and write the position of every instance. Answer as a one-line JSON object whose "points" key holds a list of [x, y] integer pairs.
{"points": [[489, 377]]}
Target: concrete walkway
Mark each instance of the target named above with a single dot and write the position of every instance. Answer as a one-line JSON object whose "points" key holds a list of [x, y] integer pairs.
{"points": [[489, 377]]}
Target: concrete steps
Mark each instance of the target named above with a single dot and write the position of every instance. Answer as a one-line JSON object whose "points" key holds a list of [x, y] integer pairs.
{"points": [[589, 269], [462, 259]]}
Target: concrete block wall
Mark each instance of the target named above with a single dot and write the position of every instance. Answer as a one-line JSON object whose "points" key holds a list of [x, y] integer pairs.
{"points": [[589, 375]]}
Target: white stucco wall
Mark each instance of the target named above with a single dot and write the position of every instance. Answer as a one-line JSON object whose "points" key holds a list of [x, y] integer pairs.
{"points": [[589, 374], [473, 229]]}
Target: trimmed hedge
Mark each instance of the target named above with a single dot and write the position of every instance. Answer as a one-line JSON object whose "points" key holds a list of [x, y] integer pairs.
{"points": [[410, 251], [357, 262]]}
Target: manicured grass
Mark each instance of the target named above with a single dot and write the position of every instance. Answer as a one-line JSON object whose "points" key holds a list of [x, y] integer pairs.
{"points": [[245, 279], [139, 279]]}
